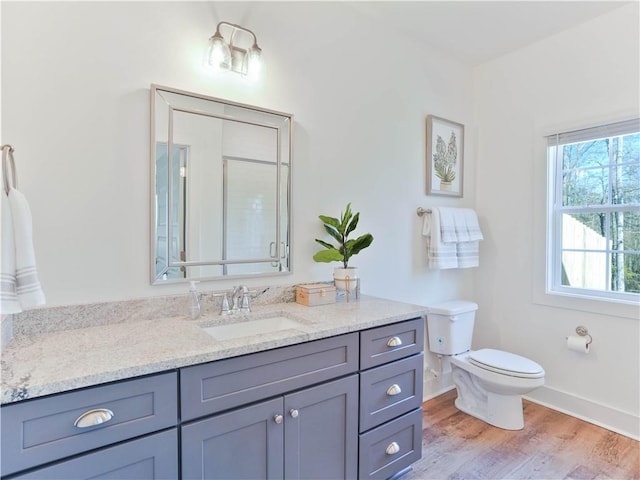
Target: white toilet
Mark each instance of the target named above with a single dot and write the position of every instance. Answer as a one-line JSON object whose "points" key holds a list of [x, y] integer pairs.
{"points": [[490, 382]]}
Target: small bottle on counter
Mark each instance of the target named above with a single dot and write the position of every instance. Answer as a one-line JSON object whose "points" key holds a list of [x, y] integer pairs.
{"points": [[194, 301]]}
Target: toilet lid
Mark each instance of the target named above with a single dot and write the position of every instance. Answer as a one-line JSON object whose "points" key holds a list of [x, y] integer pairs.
{"points": [[505, 363]]}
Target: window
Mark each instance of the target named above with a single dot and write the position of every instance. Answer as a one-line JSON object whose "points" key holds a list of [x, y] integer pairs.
{"points": [[594, 212]]}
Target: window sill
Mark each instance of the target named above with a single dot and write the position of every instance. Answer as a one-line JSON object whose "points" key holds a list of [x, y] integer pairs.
{"points": [[602, 306]]}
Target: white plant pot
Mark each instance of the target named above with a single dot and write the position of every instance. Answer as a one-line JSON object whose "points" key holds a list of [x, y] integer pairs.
{"points": [[345, 278]]}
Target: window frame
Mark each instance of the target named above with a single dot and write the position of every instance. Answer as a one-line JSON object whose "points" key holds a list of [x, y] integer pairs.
{"points": [[555, 211]]}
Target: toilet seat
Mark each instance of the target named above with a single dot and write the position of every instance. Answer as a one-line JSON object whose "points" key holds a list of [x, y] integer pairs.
{"points": [[505, 363]]}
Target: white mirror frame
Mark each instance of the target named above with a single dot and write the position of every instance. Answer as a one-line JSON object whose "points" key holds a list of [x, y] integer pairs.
{"points": [[282, 242]]}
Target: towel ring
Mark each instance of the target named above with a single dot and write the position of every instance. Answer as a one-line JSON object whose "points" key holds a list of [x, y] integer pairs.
{"points": [[7, 159]]}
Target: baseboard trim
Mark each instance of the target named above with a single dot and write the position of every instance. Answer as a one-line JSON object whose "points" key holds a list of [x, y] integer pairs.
{"points": [[619, 421], [429, 395]]}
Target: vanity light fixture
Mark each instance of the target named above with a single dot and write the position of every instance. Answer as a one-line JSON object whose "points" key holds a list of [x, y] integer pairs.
{"points": [[225, 55]]}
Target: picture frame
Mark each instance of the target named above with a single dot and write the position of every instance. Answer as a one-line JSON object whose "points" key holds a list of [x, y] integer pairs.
{"points": [[445, 157]]}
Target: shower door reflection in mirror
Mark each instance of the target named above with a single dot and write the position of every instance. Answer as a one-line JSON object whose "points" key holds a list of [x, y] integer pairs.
{"points": [[222, 199]]}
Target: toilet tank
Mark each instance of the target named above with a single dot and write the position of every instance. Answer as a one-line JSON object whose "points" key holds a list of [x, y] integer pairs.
{"points": [[450, 326]]}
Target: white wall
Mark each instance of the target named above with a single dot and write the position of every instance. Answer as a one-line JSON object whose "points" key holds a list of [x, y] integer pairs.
{"points": [[76, 77], [584, 76]]}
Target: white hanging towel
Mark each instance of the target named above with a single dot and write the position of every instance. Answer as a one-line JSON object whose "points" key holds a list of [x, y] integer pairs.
{"points": [[457, 245], [8, 297], [439, 254], [25, 276], [468, 236], [448, 229]]}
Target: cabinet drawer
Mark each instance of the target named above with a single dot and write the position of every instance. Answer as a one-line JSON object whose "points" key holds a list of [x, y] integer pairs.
{"points": [[225, 384], [390, 390], [42, 430], [391, 342], [391, 447], [151, 458]]}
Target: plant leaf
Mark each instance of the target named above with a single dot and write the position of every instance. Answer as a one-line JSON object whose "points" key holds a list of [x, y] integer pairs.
{"points": [[346, 216], [353, 247], [325, 244], [334, 222], [352, 226], [327, 256], [333, 232]]}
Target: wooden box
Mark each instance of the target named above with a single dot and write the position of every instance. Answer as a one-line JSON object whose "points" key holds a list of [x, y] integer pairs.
{"points": [[315, 294]]}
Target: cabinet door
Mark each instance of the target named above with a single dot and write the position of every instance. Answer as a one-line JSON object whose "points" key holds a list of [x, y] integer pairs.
{"points": [[246, 443], [321, 431], [151, 458]]}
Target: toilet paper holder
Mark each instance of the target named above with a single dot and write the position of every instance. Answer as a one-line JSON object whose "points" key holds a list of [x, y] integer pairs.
{"points": [[583, 332]]}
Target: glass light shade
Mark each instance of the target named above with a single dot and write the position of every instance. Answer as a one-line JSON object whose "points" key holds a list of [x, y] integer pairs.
{"points": [[219, 53], [254, 62]]}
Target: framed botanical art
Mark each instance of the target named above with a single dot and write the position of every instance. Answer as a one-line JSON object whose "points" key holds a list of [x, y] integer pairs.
{"points": [[445, 156]]}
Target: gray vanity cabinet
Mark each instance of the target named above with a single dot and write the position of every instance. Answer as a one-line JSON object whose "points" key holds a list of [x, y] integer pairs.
{"points": [[39, 432], [285, 413], [311, 433], [341, 407], [391, 374], [243, 443], [149, 458]]}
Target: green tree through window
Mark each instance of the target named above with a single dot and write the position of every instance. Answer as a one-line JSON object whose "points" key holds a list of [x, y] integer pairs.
{"points": [[595, 213]]}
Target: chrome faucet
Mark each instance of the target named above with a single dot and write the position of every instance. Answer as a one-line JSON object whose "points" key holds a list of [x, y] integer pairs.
{"points": [[236, 301], [240, 298]]}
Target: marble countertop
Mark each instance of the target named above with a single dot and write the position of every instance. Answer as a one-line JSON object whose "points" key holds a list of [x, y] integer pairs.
{"points": [[45, 363]]}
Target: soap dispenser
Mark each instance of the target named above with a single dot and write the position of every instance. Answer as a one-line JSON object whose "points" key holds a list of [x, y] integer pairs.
{"points": [[194, 301]]}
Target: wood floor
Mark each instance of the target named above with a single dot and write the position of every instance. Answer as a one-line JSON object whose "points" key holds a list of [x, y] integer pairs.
{"points": [[551, 446]]}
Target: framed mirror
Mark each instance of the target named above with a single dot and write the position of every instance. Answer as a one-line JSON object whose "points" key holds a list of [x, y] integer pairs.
{"points": [[221, 188]]}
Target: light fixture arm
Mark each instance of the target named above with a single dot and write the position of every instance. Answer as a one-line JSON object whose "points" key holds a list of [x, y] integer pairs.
{"points": [[234, 29]]}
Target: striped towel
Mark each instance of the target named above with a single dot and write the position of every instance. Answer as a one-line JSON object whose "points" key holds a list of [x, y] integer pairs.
{"points": [[448, 230], [439, 254], [468, 254], [459, 225], [8, 297], [21, 288], [469, 234], [457, 245]]}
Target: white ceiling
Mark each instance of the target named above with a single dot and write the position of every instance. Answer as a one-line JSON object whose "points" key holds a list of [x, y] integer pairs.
{"points": [[478, 31]]}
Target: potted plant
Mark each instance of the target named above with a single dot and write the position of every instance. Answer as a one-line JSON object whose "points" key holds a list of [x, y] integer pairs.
{"points": [[340, 229], [444, 161]]}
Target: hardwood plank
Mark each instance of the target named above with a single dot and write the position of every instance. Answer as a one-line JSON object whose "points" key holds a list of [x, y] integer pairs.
{"points": [[551, 446]]}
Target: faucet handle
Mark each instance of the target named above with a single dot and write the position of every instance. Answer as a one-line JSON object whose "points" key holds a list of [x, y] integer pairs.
{"points": [[225, 308], [245, 304]]}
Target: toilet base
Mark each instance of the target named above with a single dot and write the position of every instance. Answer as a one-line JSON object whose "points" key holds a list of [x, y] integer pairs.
{"points": [[503, 411]]}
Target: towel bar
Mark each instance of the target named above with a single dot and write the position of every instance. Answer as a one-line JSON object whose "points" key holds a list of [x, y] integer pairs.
{"points": [[421, 211], [7, 157]]}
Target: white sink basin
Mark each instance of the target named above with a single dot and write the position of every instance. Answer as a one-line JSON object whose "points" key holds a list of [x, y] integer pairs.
{"points": [[258, 326]]}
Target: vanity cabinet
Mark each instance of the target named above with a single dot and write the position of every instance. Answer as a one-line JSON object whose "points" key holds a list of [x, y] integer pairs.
{"points": [[341, 407], [391, 386], [308, 430], [51, 429], [311, 433]]}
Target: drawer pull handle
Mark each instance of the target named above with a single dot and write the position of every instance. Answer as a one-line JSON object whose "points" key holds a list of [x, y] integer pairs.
{"points": [[93, 417], [294, 413], [278, 419], [393, 448], [394, 390], [394, 342]]}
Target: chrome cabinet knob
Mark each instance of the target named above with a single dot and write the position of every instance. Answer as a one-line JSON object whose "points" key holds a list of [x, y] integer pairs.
{"points": [[394, 390], [278, 419], [392, 448], [394, 342], [93, 417], [294, 413]]}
